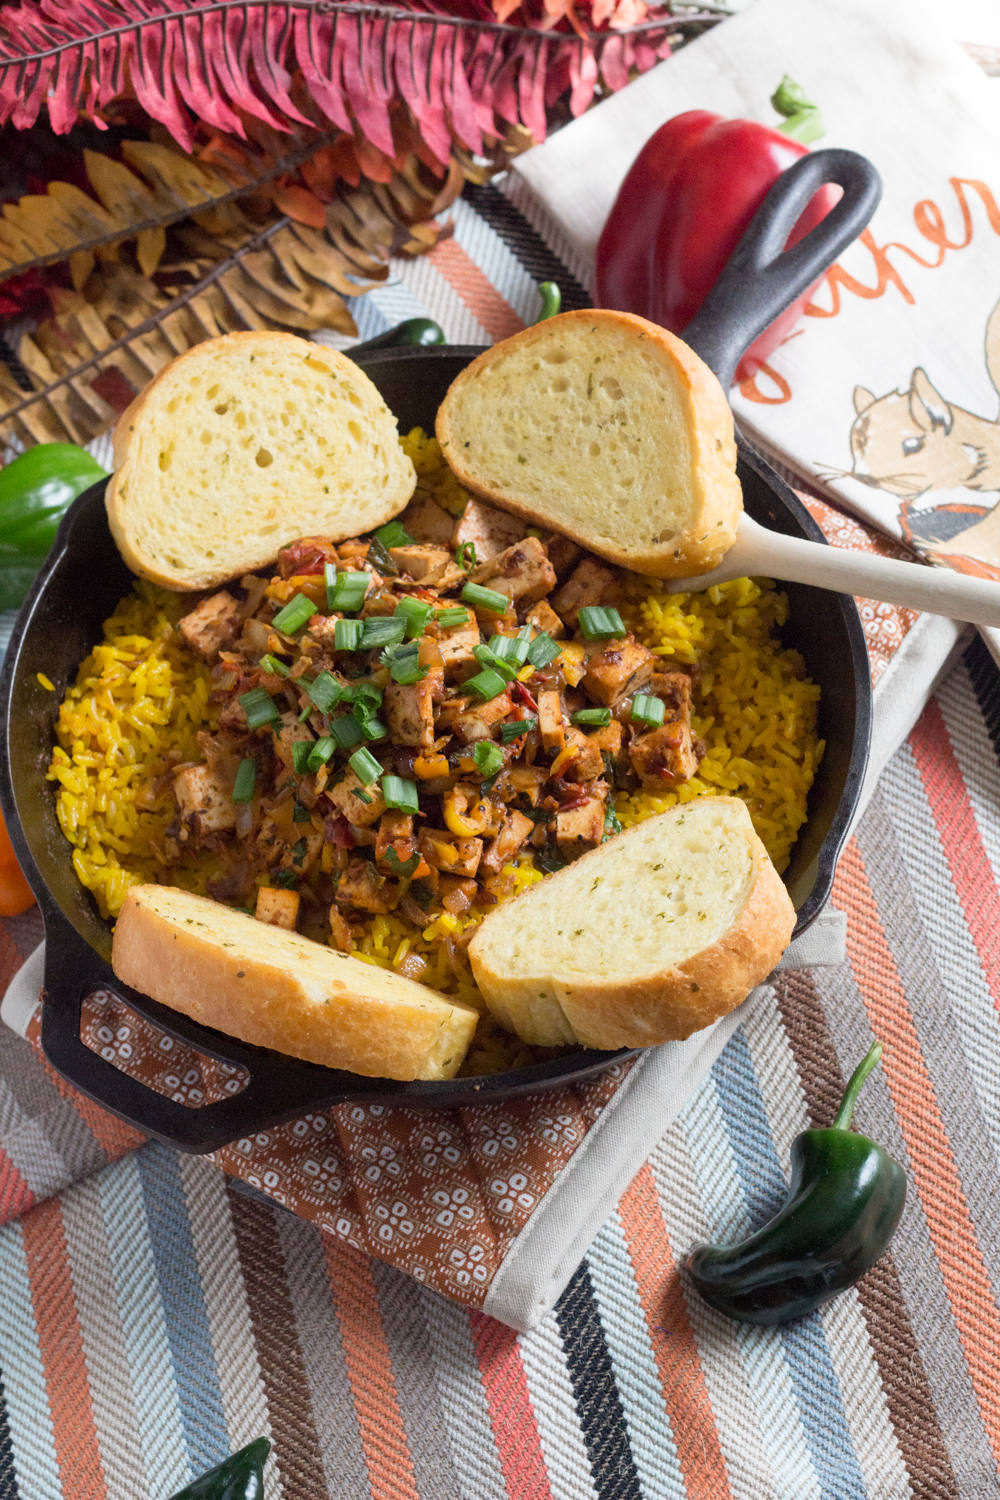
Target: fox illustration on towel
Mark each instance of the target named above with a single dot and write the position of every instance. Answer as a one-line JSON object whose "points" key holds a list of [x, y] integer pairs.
{"points": [[915, 442]]}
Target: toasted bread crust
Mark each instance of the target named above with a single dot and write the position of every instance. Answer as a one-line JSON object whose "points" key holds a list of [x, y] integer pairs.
{"points": [[604, 1010], [242, 540], [714, 495], [274, 988]]}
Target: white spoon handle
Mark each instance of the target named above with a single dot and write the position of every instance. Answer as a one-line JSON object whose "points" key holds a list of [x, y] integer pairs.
{"points": [[939, 591]]}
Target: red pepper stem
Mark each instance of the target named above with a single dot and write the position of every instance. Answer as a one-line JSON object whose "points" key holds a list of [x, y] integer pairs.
{"points": [[802, 119], [855, 1084]]}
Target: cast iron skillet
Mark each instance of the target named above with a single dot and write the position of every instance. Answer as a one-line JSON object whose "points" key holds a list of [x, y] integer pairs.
{"points": [[84, 577]]}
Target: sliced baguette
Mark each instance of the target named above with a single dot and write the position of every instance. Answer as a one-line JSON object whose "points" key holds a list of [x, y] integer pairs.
{"points": [[646, 939], [277, 989], [607, 428], [242, 444]]}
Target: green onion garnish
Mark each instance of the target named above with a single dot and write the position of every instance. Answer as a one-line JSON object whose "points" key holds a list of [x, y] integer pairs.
{"points": [[510, 732], [321, 753], [511, 647], [489, 599], [486, 684], [414, 613], [488, 758], [598, 623], [347, 635], [259, 707], [596, 716], [373, 729], [246, 777], [447, 618], [365, 767], [543, 649], [365, 696], [404, 664], [345, 591], [301, 750], [382, 630], [346, 731], [646, 709], [401, 867], [272, 664], [394, 534], [465, 555], [325, 691], [487, 658], [294, 615], [400, 793], [611, 822]]}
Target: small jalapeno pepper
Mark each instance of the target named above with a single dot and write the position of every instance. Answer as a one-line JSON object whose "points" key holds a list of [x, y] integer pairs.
{"points": [[240, 1477], [844, 1201], [415, 333], [35, 490]]}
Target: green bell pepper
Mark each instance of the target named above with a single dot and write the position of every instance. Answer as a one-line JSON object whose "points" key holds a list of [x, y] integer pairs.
{"points": [[844, 1201], [240, 1477], [35, 490]]}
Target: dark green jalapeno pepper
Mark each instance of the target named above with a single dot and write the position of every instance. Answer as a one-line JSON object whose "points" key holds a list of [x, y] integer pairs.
{"points": [[844, 1201], [415, 333], [240, 1477], [35, 490]]}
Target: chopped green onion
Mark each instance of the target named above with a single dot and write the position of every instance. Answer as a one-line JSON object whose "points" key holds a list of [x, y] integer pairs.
{"points": [[246, 777], [394, 534], [325, 691], [379, 557], [598, 623], [321, 753], [373, 729], [345, 591], [365, 767], [596, 716], [486, 684], [301, 750], [300, 814], [259, 707], [404, 664], [514, 731], [346, 731], [448, 618], [488, 758], [414, 613], [362, 796], [646, 709], [303, 716], [486, 658], [489, 599], [400, 793], [272, 664], [294, 615], [401, 867], [382, 630], [543, 649], [465, 555], [347, 635], [365, 696], [511, 647]]}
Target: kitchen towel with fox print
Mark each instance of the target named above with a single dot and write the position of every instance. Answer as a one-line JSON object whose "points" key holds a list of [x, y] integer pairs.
{"points": [[886, 396]]}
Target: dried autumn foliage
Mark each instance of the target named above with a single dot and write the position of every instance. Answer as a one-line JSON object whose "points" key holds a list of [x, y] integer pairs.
{"points": [[105, 340], [463, 73]]}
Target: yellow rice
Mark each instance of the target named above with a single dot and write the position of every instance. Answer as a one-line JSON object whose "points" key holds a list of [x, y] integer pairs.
{"points": [[140, 698]]}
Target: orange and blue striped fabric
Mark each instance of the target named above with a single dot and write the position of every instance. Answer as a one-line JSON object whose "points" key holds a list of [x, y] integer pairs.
{"points": [[157, 1315]]}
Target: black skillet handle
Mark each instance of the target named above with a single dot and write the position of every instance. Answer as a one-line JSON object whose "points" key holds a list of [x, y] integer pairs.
{"points": [[72, 971], [761, 278]]}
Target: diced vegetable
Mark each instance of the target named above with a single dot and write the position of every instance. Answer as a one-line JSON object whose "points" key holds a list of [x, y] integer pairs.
{"points": [[325, 691], [513, 648], [646, 709], [347, 635], [259, 707], [301, 750], [373, 729], [599, 622], [365, 767], [597, 718], [488, 599], [296, 612], [246, 778], [398, 792], [404, 664], [485, 685], [488, 757], [465, 555], [345, 591]]}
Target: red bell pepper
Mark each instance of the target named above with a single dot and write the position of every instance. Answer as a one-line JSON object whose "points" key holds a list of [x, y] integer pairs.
{"points": [[684, 205]]}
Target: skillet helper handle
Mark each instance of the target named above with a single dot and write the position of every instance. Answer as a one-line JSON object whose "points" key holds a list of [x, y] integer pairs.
{"points": [[761, 277], [72, 972]]}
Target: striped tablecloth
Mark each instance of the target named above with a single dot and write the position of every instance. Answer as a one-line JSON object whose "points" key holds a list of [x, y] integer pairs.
{"points": [[157, 1315]]}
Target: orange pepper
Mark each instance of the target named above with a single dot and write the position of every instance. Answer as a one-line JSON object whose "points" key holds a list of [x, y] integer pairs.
{"points": [[15, 892]]}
